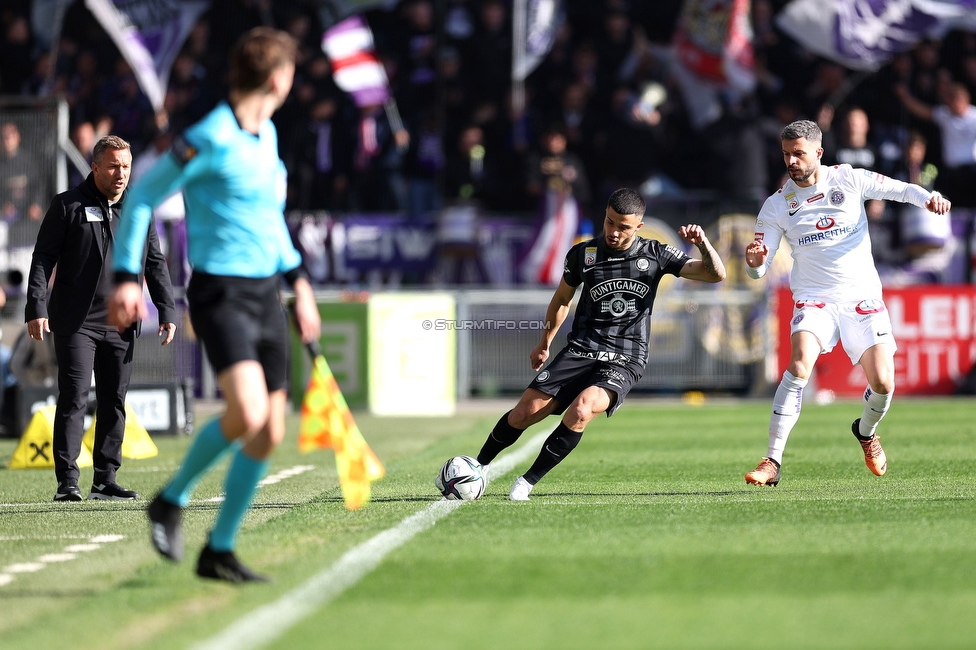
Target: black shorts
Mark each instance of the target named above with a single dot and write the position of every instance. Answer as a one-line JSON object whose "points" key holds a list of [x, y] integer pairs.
{"points": [[570, 373], [240, 319]]}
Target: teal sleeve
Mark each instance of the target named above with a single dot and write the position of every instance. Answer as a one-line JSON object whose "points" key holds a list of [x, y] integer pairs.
{"points": [[290, 257], [165, 177]]}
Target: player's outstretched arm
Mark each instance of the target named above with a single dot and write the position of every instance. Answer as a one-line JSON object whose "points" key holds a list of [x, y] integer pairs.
{"points": [[756, 253], [938, 204], [710, 267]]}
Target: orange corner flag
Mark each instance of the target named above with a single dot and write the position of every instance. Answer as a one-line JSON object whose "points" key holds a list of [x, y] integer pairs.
{"points": [[327, 423]]}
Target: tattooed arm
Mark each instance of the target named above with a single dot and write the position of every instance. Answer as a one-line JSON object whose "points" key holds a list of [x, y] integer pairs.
{"points": [[710, 268]]}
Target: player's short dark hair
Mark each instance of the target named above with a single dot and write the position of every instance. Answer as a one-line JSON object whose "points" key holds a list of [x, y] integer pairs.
{"points": [[257, 54], [802, 129], [108, 142], [627, 201]]}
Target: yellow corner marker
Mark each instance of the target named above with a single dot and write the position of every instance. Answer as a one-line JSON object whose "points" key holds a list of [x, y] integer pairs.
{"points": [[36, 447], [136, 442]]}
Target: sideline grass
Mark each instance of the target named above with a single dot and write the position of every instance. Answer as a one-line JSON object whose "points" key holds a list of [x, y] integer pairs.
{"points": [[646, 536]]}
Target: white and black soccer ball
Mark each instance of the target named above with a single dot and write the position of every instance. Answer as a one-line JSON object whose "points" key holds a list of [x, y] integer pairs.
{"points": [[461, 479]]}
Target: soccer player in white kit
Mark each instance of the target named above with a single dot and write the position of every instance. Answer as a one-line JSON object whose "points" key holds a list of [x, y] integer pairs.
{"points": [[836, 288]]}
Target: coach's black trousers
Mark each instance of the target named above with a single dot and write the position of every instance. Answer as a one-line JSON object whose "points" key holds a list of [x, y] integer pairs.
{"points": [[109, 355]]}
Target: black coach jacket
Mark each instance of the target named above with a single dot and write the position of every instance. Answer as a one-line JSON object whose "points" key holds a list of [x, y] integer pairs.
{"points": [[75, 245]]}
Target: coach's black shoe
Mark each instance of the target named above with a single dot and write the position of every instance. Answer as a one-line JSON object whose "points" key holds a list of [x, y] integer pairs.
{"points": [[166, 527], [68, 491], [223, 565], [112, 492]]}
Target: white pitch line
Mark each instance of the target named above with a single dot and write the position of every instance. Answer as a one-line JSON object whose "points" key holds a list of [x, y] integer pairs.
{"points": [[82, 548], [70, 553], [23, 567], [270, 480], [22, 538], [267, 623]]}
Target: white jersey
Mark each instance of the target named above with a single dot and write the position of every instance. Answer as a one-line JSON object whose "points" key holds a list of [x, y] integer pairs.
{"points": [[827, 227]]}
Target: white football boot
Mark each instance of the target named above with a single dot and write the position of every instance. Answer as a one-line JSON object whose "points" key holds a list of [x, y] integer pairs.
{"points": [[520, 491]]}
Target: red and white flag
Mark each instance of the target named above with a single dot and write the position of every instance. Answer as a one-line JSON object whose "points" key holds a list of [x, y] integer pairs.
{"points": [[713, 54], [560, 222], [355, 66]]}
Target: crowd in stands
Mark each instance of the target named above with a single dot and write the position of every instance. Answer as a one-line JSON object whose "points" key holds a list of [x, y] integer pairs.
{"points": [[585, 126]]}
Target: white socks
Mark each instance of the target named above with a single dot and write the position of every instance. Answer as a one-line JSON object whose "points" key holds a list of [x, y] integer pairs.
{"points": [[786, 411], [875, 407]]}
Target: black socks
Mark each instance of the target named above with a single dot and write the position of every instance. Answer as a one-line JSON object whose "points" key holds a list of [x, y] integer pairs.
{"points": [[557, 446], [501, 437]]}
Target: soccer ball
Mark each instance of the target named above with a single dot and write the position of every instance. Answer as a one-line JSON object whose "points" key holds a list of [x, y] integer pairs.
{"points": [[461, 479]]}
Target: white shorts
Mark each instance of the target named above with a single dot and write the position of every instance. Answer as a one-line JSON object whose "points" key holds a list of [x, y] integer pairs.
{"points": [[859, 325]]}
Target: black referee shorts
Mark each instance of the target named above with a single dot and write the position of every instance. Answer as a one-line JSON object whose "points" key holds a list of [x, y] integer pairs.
{"points": [[240, 319], [570, 373]]}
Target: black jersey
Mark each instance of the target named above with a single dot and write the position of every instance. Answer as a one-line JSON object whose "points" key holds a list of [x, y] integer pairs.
{"points": [[613, 317]]}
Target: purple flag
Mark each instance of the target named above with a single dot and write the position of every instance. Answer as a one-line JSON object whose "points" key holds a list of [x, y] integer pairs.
{"points": [[865, 34], [149, 34], [534, 24]]}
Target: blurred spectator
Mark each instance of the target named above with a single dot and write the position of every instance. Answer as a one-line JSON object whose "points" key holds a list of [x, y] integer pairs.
{"points": [[614, 45], [376, 179], [16, 63], [585, 66], [734, 154], [491, 51], [458, 249], [127, 106], [424, 164], [968, 75], [913, 167], [32, 363], [310, 136], [956, 119], [931, 252], [458, 21], [455, 92], [17, 198], [188, 93], [554, 168], [318, 186], [852, 146], [84, 137], [468, 175], [44, 81], [827, 86], [883, 232], [629, 149], [577, 115], [82, 88], [417, 52], [925, 56]]}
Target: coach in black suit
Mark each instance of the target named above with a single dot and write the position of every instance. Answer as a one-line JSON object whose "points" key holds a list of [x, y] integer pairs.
{"points": [[76, 236]]}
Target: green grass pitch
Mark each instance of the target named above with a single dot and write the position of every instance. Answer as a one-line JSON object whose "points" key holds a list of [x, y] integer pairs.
{"points": [[646, 536]]}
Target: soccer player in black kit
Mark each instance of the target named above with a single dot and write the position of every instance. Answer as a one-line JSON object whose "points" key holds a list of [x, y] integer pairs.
{"points": [[607, 347]]}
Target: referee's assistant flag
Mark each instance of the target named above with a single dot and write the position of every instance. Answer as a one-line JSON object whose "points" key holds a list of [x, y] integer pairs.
{"points": [[327, 423]]}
